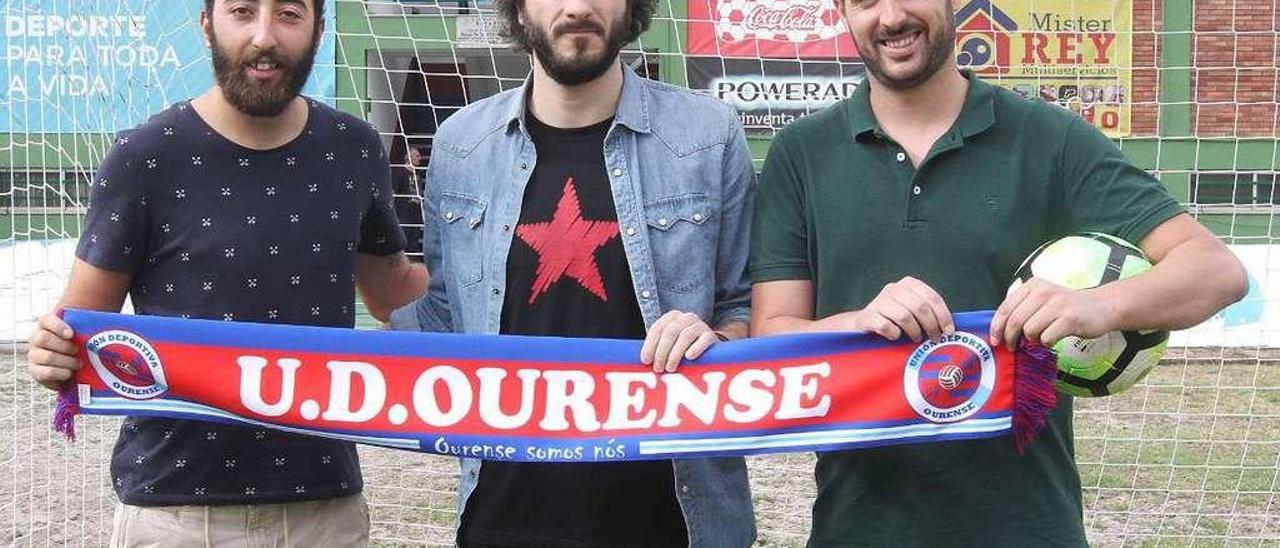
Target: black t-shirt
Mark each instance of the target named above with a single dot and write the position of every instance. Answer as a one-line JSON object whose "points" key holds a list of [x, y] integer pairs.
{"points": [[568, 276], [209, 229]]}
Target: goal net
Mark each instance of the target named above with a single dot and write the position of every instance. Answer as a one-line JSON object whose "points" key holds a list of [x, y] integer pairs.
{"points": [[1187, 88]]}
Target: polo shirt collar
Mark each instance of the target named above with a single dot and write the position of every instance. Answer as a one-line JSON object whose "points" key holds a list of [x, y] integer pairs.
{"points": [[976, 116], [979, 111]]}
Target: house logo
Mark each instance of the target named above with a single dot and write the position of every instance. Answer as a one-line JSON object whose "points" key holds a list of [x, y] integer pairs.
{"points": [[982, 38]]}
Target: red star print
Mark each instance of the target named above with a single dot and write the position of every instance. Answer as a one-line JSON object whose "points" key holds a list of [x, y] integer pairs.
{"points": [[567, 245]]}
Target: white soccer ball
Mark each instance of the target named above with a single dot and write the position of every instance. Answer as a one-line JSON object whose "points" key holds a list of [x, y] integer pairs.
{"points": [[950, 377], [1113, 362]]}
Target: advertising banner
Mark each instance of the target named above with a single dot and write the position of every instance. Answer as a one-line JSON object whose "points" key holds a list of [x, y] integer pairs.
{"points": [[1078, 54], [479, 31], [72, 66], [769, 94], [780, 29]]}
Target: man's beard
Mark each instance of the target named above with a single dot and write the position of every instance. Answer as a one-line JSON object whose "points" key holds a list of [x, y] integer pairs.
{"points": [[258, 98], [937, 54], [581, 67]]}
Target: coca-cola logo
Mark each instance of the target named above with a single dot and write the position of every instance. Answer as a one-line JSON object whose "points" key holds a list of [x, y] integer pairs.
{"points": [[802, 18], [777, 20]]}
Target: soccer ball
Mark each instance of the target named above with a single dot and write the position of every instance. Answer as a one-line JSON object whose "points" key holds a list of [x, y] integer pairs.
{"points": [[1113, 362], [951, 376]]}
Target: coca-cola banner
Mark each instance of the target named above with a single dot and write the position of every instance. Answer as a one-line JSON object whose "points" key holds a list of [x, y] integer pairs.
{"points": [[785, 29], [771, 93]]}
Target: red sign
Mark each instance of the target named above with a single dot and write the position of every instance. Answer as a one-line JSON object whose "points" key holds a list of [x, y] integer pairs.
{"points": [[779, 29]]}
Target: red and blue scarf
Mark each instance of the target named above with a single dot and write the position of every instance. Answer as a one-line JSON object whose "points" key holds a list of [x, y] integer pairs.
{"points": [[551, 399]]}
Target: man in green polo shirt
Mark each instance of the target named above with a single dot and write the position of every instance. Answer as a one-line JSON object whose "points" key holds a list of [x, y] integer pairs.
{"points": [[920, 195]]}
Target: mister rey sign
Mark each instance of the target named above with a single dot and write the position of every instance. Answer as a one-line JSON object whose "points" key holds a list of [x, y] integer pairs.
{"points": [[550, 399], [1076, 53], [769, 94], [109, 65]]}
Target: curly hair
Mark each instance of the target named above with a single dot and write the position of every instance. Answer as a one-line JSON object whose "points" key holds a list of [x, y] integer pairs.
{"points": [[641, 12]]}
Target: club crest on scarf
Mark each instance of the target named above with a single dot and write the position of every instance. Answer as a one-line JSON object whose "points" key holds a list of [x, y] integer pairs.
{"points": [[951, 379], [127, 364]]}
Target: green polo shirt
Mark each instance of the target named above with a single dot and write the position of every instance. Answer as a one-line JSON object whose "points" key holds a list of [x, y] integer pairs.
{"points": [[840, 204]]}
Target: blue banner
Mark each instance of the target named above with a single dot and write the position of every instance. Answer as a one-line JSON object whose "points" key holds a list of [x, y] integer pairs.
{"points": [[91, 66]]}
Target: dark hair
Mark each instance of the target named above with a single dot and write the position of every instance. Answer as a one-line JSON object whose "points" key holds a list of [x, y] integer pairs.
{"points": [[641, 12], [318, 4]]}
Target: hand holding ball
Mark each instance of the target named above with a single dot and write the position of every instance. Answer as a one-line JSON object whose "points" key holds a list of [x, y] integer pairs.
{"points": [[1115, 361]]}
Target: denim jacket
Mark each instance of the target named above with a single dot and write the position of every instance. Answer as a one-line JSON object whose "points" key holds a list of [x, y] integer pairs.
{"points": [[682, 184]]}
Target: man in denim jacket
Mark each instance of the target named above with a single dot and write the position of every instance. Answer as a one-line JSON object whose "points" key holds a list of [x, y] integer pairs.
{"points": [[591, 202]]}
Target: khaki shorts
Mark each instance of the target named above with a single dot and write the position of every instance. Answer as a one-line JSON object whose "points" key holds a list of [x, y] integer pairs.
{"points": [[339, 523]]}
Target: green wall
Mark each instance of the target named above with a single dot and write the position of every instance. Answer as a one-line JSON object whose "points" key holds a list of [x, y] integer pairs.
{"points": [[51, 150]]}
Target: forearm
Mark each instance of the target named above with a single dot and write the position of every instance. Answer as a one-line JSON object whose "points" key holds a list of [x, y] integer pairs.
{"points": [[389, 286], [780, 324], [94, 288], [98, 301], [733, 329], [1191, 283], [786, 306], [408, 283]]}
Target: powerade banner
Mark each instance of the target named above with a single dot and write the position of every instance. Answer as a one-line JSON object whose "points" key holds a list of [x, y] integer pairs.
{"points": [[91, 66], [1075, 53], [769, 94], [549, 399], [785, 29]]}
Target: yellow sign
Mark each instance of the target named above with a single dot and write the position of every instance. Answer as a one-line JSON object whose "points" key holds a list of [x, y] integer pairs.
{"points": [[1076, 53]]}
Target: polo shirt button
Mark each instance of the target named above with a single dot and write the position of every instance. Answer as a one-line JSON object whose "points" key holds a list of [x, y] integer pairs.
{"points": [[617, 172], [915, 190], [645, 294], [901, 156]]}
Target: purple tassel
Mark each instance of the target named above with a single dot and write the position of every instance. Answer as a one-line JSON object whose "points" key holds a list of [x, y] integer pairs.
{"points": [[1034, 395], [64, 415]]}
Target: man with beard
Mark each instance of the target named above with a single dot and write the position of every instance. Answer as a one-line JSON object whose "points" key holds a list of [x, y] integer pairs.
{"points": [[918, 196], [248, 203], [591, 202]]}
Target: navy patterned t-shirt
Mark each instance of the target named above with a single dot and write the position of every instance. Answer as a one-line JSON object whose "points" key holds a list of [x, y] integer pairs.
{"points": [[209, 229]]}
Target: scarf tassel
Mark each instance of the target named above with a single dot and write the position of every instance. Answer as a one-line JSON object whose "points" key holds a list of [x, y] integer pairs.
{"points": [[64, 414], [1034, 395]]}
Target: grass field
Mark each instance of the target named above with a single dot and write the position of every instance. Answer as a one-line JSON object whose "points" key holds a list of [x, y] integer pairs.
{"points": [[1189, 459]]}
